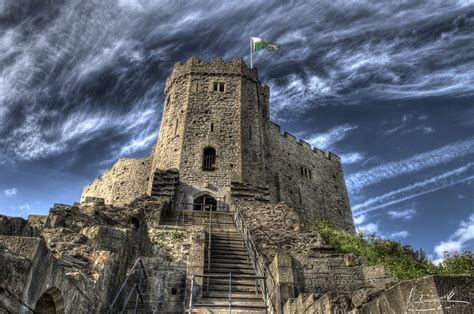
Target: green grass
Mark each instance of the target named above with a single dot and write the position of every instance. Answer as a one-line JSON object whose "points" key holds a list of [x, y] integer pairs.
{"points": [[400, 260]]}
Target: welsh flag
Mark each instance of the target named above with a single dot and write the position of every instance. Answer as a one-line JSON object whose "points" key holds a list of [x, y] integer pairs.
{"points": [[260, 43]]}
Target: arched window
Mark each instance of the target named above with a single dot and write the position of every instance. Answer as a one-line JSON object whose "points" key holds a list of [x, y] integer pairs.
{"points": [[209, 159], [50, 302]]}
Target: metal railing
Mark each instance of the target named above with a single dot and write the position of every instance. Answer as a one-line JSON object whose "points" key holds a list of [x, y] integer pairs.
{"points": [[180, 208], [261, 269], [137, 287], [230, 278]]}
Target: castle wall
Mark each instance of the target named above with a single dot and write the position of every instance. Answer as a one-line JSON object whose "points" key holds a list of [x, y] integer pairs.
{"points": [[254, 111], [168, 148], [249, 147], [309, 180], [126, 180], [212, 120]]}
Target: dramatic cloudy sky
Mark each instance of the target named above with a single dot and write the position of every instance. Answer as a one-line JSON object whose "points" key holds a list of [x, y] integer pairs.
{"points": [[389, 86]]}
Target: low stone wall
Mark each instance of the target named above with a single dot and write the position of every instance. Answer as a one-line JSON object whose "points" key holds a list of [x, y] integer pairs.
{"points": [[80, 257], [121, 184], [299, 261], [432, 294]]}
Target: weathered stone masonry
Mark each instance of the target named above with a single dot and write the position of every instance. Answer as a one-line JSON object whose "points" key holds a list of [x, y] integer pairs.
{"points": [[223, 106]]}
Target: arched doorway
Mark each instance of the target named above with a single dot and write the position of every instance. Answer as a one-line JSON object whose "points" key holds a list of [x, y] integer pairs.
{"points": [[205, 202], [209, 159], [50, 302]]}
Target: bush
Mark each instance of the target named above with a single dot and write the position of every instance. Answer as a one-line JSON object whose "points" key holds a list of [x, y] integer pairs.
{"points": [[177, 234], [458, 263], [400, 260]]}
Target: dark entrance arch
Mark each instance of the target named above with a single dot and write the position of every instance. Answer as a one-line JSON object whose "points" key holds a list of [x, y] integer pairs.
{"points": [[50, 302], [205, 202]]}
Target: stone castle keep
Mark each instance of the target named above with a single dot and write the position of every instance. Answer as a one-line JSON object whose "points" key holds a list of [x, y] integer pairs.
{"points": [[219, 218], [216, 131]]}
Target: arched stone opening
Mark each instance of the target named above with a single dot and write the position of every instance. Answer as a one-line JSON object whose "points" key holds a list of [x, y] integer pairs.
{"points": [[209, 159], [205, 202], [50, 302]]}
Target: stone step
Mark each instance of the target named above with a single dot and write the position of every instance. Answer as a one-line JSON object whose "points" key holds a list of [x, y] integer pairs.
{"points": [[224, 309], [235, 281], [220, 254], [238, 296], [236, 246], [234, 271], [230, 266], [231, 260], [249, 288]]}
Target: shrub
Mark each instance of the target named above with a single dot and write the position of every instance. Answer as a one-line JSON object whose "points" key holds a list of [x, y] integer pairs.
{"points": [[177, 234], [400, 260]]}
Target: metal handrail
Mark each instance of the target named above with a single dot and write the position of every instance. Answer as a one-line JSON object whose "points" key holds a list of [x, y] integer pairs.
{"points": [[254, 253], [230, 276], [179, 208], [136, 287]]}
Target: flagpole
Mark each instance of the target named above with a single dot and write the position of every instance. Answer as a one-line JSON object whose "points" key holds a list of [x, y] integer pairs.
{"points": [[251, 54]]}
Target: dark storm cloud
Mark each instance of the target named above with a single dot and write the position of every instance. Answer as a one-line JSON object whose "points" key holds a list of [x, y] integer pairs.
{"points": [[72, 72]]}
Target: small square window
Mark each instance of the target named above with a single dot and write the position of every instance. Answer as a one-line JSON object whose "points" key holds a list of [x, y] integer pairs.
{"points": [[218, 87]]}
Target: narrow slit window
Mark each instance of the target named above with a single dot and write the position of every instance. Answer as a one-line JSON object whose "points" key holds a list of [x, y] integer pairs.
{"points": [[212, 127]]}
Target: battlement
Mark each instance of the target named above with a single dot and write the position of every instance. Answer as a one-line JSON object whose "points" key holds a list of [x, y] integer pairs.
{"points": [[215, 66], [292, 139]]}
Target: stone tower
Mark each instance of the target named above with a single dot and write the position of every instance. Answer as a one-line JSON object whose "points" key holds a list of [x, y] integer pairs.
{"points": [[216, 134], [211, 129]]}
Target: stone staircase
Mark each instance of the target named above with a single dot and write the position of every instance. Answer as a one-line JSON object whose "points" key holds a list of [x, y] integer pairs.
{"points": [[164, 183], [229, 259], [194, 217], [249, 192]]}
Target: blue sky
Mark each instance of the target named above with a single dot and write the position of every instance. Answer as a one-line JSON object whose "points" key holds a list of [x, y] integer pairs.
{"points": [[387, 86]]}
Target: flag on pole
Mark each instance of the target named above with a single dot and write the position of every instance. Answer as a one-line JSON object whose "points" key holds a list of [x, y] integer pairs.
{"points": [[257, 43], [260, 43]]}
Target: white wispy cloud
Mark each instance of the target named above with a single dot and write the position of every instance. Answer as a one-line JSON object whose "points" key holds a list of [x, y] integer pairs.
{"points": [[399, 234], [458, 240], [407, 124], [359, 219], [352, 158], [418, 162], [23, 210], [369, 228], [327, 139], [32, 142], [406, 214], [10, 192], [449, 178]]}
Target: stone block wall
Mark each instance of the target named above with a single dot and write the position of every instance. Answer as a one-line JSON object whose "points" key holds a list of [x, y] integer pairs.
{"points": [[250, 149], [212, 120], [80, 258], [432, 294], [298, 259], [308, 180], [126, 180], [231, 121]]}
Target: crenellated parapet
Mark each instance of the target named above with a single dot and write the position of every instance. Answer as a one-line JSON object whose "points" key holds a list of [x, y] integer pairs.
{"points": [[291, 139], [215, 66]]}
